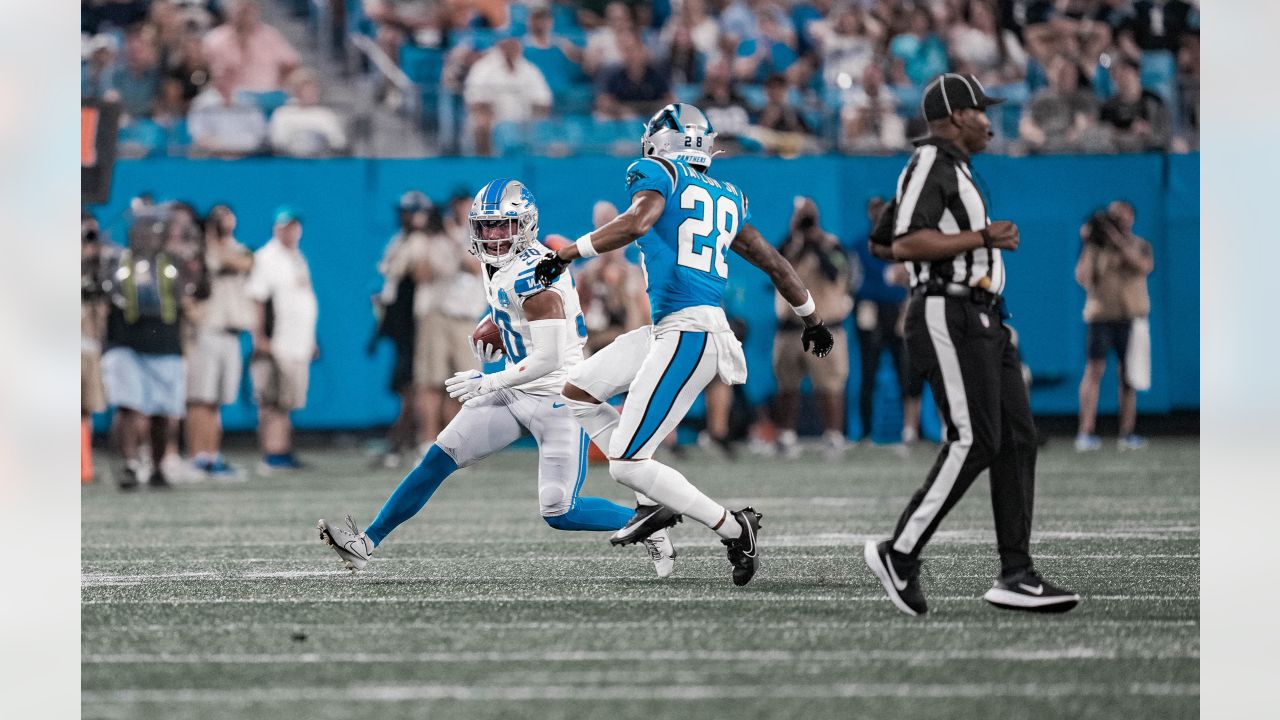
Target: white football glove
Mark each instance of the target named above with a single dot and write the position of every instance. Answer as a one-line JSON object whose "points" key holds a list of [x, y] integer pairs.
{"points": [[486, 353], [468, 384]]}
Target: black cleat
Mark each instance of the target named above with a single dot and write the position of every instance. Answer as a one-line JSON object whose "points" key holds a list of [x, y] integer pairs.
{"points": [[158, 481], [744, 555], [901, 579], [1028, 591], [647, 520], [128, 479]]}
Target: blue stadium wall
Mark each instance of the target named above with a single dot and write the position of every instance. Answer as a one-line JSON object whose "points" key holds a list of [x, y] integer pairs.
{"points": [[348, 208]]}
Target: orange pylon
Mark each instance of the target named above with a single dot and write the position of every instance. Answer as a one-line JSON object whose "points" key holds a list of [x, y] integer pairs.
{"points": [[86, 451]]}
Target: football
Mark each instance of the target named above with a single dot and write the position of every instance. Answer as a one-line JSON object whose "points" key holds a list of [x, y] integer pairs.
{"points": [[487, 332]]}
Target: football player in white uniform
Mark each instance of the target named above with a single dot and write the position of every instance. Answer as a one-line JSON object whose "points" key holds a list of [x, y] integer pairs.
{"points": [[543, 333]]}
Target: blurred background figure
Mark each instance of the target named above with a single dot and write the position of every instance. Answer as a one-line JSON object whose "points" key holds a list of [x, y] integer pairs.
{"points": [[223, 123], [396, 322], [214, 361], [634, 87], [303, 127], [1137, 117], [448, 300], [878, 318], [284, 338], [611, 290], [142, 367], [503, 86], [825, 269], [93, 318], [256, 56], [1112, 268]]}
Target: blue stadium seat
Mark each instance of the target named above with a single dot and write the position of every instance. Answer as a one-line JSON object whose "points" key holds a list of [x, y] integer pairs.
{"points": [[510, 138], [753, 95], [357, 21], [267, 102], [576, 99], [1159, 75], [423, 65], [688, 92]]}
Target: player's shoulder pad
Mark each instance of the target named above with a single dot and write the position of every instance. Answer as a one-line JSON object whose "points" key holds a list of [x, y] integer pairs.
{"points": [[652, 173], [523, 284]]}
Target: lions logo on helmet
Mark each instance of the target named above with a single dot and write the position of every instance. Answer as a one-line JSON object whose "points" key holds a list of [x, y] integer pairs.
{"points": [[680, 131], [503, 220]]}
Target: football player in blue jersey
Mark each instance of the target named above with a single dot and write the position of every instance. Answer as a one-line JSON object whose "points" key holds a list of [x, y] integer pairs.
{"points": [[543, 334], [685, 222]]}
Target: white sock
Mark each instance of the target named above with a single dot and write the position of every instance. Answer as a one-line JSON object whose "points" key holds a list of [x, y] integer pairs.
{"points": [[667, 486], [600, 420]]}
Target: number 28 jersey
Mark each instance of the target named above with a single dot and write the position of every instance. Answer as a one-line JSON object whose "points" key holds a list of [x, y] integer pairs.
{"points": [[507, 289], [684, 254]]}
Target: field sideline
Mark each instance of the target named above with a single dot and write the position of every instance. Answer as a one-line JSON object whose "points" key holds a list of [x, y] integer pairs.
{"points": [[218, 600]]}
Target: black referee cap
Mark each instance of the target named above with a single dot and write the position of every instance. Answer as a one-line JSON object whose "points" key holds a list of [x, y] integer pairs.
{"points": [[950, 92]]}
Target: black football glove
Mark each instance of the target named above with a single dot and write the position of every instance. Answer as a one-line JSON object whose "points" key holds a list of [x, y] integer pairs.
{"points": [[817, 340], [549, 268]]}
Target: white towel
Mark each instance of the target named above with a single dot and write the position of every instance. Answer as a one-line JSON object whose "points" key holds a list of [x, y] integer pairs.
{"points": [[731, 362], [1137, 361]]}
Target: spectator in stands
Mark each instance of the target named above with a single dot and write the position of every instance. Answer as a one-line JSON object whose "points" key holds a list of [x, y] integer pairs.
{"points": [[612, 290], [700, 27], [869, 121], [921, 51], [979, 47], [557, 58], [142, 368], [845, 45], [284, 338], [1161, 25], [1112, 268], [825, 269], [303, 127], [169, 26], [788, 133], [256, 55], [636, 88], [190, 66], [398, 21], [1061, 117], [1138, 117], [604, 44], [137, 80], [97, 72], [683, 61], [771, 51], [223, 124], [502, 86], [214, 362], [724, 107]]}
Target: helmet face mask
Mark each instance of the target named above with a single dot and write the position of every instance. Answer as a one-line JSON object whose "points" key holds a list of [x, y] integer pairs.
{"points": [[680, 132], [503, 222]]}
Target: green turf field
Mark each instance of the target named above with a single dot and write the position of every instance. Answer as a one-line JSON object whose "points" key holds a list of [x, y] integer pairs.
{"points": [[218, 600]]}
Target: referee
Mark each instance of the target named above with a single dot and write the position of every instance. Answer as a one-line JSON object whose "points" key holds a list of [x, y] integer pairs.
{"points": [[955, 333]]}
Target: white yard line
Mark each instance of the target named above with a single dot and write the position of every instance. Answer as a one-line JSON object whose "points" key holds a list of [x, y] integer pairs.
{"points": [[510, 693], [718, 598], [607, 656]]}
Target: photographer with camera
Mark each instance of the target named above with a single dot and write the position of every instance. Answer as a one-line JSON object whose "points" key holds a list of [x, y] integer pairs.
{"points": [[1113, 268], [93, 318], [826, 270]]}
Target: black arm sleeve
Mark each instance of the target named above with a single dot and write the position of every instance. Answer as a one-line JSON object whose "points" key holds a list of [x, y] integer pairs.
{"points": [[882, 231]]}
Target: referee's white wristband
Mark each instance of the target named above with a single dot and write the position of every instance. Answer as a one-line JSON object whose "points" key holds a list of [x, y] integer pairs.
{"points": [[807, 308], [585, 248]]}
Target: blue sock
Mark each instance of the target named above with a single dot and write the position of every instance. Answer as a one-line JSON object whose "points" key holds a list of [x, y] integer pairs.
{"points": [[591, 513], [412, 493]]}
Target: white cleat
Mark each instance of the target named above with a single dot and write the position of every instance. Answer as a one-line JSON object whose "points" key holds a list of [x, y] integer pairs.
{"points": [[353, 546], [662, 552]]}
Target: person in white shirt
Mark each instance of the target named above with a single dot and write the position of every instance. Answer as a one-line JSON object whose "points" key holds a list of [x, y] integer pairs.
{"points": [[502, 86], [223, 125], [284, 337], [304, 127]]}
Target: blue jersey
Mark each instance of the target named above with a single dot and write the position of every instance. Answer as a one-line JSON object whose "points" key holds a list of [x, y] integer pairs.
{"points": [[683, 256]]}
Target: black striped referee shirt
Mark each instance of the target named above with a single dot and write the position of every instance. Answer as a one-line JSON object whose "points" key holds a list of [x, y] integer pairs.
{"points": [[937, 190]]}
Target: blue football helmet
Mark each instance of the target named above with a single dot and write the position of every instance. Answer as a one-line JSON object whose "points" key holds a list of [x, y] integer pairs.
{"points": [[680, 131], [503, 220]]}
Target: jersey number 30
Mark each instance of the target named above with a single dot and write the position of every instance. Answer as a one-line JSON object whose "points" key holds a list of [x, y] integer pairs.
{"points": [[718, 217]]}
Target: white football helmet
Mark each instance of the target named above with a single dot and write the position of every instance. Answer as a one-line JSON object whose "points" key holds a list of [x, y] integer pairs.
{"points": [[680, 131], [503, 220]]}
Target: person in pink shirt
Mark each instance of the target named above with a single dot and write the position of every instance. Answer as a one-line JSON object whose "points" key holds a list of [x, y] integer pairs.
{"points": [[256, 54]]}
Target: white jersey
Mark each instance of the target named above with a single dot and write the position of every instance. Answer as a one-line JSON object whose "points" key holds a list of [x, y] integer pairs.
{"points": [[506, 290]]}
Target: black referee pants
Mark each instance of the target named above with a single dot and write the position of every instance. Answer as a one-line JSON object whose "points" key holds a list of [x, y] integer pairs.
{"points": [[976, 375]]}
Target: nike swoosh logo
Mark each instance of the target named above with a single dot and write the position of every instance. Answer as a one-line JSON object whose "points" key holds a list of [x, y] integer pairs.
{"points": [[751, 535], [893, 575], [557, 405], [1037, 590]]}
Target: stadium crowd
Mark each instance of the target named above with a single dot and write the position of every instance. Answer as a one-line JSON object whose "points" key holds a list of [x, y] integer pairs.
{"points": [[558, 76]]}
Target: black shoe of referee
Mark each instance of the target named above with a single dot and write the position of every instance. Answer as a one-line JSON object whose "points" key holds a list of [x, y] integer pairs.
{"points": [[1028, 591], [744, 553], [900, 578], [647, 520]]}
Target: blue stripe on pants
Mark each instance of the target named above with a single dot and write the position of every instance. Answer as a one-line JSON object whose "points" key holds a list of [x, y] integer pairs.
{"points": [[679, 371]]}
